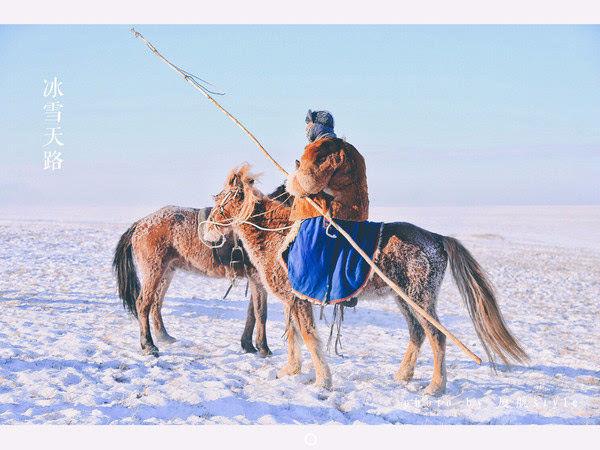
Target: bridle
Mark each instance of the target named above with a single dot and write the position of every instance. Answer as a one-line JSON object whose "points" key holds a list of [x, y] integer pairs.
{"points": [[226, 199], [208, 220], [233, 193]]}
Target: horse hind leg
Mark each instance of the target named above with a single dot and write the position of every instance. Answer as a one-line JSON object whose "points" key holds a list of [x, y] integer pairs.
{"points": [[143, 305], [153, 287], [437, 340], [416, 332], [157, 321]]}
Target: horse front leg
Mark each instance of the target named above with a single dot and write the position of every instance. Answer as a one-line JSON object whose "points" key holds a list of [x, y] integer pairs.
{"points": [[294, 362], [306, 321]]}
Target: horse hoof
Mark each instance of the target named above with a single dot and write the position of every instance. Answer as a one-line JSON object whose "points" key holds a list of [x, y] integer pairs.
{"points": [[150, 350], [264, 352], [435, 389], [166, 339], [324, 383], [287, 371], [403, 376], [248, 347]]}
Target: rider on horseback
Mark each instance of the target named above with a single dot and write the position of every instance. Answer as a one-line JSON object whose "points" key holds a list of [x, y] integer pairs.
{"points": [[323, 267], [330, 171]]}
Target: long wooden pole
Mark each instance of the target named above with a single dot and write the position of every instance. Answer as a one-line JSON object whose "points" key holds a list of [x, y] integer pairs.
{"points": [[191, 79]]}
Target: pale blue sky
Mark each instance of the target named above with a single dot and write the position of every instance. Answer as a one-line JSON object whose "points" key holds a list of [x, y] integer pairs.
{"points": [[444, 115]]}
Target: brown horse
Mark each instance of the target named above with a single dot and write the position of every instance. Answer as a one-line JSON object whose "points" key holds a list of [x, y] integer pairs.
{"points": [[412, 257], [168, 240]]}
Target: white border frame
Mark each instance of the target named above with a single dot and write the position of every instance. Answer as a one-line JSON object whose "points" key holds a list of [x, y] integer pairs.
{"points": [[279, 12], [300, 11]]}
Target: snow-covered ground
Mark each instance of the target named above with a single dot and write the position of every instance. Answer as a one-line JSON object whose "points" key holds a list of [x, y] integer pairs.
{"points": [[70, 354]]}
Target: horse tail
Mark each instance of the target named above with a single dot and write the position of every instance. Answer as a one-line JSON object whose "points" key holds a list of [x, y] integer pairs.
{"points": [[127, 280], [478, 294]]}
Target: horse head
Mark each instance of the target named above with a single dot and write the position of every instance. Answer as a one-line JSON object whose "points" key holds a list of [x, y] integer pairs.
{"points": [[234, 204]]}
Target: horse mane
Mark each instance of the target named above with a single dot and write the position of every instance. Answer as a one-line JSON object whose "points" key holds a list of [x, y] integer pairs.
{"points": [[242, 174], [282, 195], [243, 178]]}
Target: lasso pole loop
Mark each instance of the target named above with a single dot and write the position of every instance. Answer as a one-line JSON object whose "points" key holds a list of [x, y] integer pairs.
{"points": [[325, 214]]}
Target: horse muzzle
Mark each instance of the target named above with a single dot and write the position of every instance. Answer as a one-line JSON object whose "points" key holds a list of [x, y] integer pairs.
{"points": [[211, 233]]}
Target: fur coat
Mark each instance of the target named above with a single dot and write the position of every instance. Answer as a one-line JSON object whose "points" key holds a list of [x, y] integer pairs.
{"points": [[333, 173]]}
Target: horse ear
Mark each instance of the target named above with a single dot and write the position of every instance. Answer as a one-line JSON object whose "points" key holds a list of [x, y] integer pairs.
{"points": [[309, 117]]}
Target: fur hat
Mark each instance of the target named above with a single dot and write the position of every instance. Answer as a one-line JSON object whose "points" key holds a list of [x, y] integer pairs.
{"points": [[319, 124], [322, 117]]}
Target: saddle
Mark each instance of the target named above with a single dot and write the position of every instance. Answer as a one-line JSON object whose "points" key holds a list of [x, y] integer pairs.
{"points": [[322, 266]]}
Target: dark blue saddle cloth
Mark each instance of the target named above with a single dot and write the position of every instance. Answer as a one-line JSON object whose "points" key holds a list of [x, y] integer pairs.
{"points": [[326, 269]]}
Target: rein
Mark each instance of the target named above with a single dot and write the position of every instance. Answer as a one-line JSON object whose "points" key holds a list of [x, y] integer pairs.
{"points": [[236, 221], [236, 248]]}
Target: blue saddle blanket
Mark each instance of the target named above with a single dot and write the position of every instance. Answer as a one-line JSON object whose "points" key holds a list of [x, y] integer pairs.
{"points": [[326, 269]]}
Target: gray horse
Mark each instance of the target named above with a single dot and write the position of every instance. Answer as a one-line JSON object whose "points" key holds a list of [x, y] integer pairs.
{"points": [[412, 257]]}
